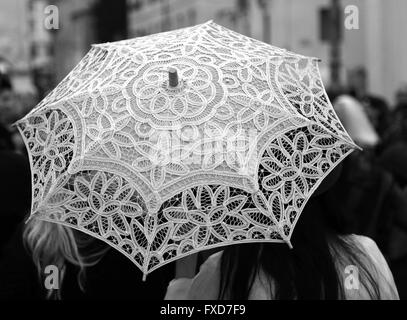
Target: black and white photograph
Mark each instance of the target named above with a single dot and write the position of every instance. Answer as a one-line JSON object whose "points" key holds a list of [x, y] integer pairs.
{"points": [[201, 154]]}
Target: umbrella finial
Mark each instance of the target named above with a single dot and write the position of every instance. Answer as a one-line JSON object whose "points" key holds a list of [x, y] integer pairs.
{"points": [[172, 77]]}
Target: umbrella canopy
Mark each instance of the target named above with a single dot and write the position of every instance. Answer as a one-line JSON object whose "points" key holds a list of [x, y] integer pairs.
{"points": [[169, 144]]}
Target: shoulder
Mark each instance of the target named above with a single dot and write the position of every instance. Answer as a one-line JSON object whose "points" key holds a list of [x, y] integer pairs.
{"points": [[366, 242], [213, 261], [378, 266], [369, 246], [204, 286], [178, 289]]}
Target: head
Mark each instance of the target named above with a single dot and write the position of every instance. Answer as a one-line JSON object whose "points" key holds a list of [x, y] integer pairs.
{"points": [[313, 269], [357, 82], [401, 97], [356, 121], [54, 244], [9, 104], [5, 83]]}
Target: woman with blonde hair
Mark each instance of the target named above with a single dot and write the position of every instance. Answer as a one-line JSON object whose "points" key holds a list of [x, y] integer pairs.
{"points": [[87, 268]]}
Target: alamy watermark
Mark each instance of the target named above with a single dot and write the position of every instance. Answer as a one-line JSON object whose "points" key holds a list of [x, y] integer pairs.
{"points": [[51, 21], [351, 21], [207, 147], [51, 281], [352, 278]]}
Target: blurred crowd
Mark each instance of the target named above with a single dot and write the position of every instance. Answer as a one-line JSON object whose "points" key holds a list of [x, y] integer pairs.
{"points": [[14, 165], [13, 106], [370, 195]]}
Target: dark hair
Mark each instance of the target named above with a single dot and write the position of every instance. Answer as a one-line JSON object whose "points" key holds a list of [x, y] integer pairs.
{"points": [[308, 271]]}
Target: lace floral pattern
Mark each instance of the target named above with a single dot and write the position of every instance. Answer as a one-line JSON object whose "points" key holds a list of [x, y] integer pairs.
{"points": [[230, 155], [50, 141]]}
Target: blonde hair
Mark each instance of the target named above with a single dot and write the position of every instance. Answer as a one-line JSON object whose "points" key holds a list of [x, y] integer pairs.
{"points": [[55, 244]]}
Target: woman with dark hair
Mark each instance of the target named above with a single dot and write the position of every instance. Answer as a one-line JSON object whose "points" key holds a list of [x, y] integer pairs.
{"points": [[327, 262]]}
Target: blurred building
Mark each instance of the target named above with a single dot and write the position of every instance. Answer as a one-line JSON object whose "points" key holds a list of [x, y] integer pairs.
{"points": [[82, 23], [293, 24], [75, 34], [39, 36], [378, 45], [152, 16], [40, 47], [14, 44]]}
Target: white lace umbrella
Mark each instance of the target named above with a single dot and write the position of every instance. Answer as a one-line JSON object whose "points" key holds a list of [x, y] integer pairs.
{"points": [[170, 144]]}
